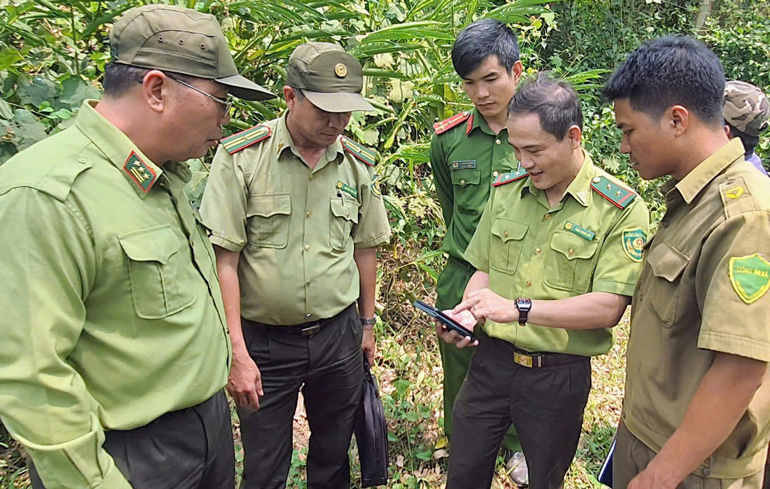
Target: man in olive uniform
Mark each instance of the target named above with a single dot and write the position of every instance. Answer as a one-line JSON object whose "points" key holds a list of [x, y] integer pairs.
{"points": [[296, 216], [468, 151], [696, 413], [746, 113], [115, 347], [557, 254]]}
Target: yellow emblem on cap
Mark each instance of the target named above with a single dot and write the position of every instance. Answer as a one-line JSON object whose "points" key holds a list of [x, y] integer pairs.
{"points": [[340, 70]]}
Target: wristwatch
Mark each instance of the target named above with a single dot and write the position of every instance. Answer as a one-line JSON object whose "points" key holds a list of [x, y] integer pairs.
{"points": [[369, 321], [523, 305]]}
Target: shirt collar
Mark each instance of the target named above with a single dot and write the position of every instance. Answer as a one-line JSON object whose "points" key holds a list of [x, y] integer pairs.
{"points": [[580, 186], [284, 141], [695, 181], [478, 122], [118, 148]]}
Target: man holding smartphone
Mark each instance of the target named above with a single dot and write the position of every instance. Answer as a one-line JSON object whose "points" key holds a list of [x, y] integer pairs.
{"points": [[557, 251]]}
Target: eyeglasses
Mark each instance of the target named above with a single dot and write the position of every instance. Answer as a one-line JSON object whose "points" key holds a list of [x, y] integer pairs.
{"points": [[224, 103]]}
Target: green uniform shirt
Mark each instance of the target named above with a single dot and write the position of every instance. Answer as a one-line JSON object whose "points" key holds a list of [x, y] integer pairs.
{"points": [[534, 251], [465, 160], [112, 313], [702, 291], [294, 227]]}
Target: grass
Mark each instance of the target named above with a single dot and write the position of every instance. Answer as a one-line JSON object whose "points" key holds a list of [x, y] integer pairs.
{"points": [[409, 371]]}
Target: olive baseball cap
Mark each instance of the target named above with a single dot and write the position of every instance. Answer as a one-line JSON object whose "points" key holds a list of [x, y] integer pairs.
{"points": [[330, 78], [746, 107], [179, 40]]}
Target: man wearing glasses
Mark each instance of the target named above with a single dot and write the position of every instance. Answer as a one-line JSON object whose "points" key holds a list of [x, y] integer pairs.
{"points": [[115, 344], [296, 218]]}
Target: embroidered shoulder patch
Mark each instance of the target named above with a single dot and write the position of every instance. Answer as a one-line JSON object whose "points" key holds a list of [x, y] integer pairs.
{"points": [[368, 156], [246, 138], [510, 177], [633, 243], [620, 197], [454, 121], [140, 172], [750, 276]]}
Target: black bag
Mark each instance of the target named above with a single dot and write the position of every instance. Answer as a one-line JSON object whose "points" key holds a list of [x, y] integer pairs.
{"points": [[372, 434]]}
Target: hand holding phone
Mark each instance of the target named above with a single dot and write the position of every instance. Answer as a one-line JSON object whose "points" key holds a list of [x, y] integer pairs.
{"points": [[445, 320]]}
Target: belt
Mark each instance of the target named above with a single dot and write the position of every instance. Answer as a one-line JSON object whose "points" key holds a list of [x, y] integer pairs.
{"points": [[461, 263], [539, 360], [310, 328]]}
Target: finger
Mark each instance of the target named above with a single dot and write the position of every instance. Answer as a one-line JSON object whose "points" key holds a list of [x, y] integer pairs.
{"points": [[465, 305], [463, 342], [370, 356], [253, 400]]}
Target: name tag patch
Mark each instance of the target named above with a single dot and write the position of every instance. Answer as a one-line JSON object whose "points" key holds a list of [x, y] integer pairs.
{"points": [[580, 231], [463, 165], [344, 187]]}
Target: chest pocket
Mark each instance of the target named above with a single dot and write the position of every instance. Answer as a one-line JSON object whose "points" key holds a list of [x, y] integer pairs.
{"points": [[344, 217], [468, 199], [156, 271], [570, 262], [268, 220], [667, 264], [505, 247]]}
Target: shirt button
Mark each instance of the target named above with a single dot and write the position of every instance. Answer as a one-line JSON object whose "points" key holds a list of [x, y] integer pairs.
{"points": [[571, 252], [538, 251], [347, 214], [192, 243], [495, 173], [308, 214], [462, 182], [497, 141], [307, 315], [528, 283], [310, 177], [307, 247], [706, 472], [596, 180], [308, 282], [665, 224], [505, 233], [547, 217]]}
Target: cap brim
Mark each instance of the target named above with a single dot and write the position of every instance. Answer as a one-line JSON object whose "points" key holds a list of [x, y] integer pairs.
{"points": [[338, 101], [245, 89]]}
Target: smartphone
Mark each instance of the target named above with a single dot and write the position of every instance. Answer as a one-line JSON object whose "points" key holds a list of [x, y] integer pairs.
{"points": [[445, 320]]}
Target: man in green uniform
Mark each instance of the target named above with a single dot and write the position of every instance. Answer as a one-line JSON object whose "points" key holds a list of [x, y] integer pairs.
{"points": [[746, 113], [115, 347], [557, 252], [696, 412], [468, 151], [296, 216]]}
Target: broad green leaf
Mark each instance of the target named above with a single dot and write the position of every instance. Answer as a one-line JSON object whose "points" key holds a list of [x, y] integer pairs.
{"points": [[75, 90], [35, 91]]}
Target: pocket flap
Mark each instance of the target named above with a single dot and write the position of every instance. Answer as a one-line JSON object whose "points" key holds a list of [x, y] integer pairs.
{"points": [[466, 177], [153, 244], [269, 205], [573, 246], [508, 229], [667, 262], [346, 210]]}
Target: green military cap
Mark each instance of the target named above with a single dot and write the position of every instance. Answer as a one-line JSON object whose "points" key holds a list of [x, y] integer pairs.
{"points": [[180, 40], [746, 107], [330, 78]]}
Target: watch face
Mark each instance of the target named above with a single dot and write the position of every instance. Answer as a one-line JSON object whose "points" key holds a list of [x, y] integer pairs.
{"points": [[523, 304]]}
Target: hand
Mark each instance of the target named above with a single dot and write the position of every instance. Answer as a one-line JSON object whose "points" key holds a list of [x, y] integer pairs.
{"points": [[647, 479], [245, 382], [485, 304], [466, 320], [367, 344]]}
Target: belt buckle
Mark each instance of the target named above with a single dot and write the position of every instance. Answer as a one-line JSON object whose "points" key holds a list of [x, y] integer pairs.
{"points": [[523, 360], [311, 330]]}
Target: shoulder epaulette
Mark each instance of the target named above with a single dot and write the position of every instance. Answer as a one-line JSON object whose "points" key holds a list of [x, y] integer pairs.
{"points": [[510, 177], [246, 138], [454, 121], [619, 196], [368, 156]]}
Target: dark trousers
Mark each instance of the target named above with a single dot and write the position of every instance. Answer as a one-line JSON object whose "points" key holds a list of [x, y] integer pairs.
{"points": [[328, 366], [187, 449], [544, 404], [450, 288]]}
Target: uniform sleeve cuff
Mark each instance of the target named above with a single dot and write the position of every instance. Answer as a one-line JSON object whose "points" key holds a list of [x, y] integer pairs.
{"points": [[225, 243], [477, 262], [618, 288], [376, 241], [734, 345]]}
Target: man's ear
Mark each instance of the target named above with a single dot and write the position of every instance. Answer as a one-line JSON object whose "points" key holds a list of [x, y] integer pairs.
{"points": [[574, 134], [290, 95], [678, 119], [155, 90], [518, 69]]}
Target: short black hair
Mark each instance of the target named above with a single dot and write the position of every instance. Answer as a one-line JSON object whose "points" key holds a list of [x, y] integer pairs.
{"points": [[482, 39], [119, 78], [554, 101], [672, 70], [749, 142]]}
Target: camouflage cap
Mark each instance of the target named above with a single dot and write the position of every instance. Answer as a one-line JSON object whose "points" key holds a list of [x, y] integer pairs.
{"points": [[330, 78], [746, 107], [180, 40]]}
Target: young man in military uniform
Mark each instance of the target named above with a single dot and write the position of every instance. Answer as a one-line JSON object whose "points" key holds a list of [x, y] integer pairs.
{"points": [[746, 112], [468, 151], [296, 216], [557, 254], [115, 345], [696, 413]]}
